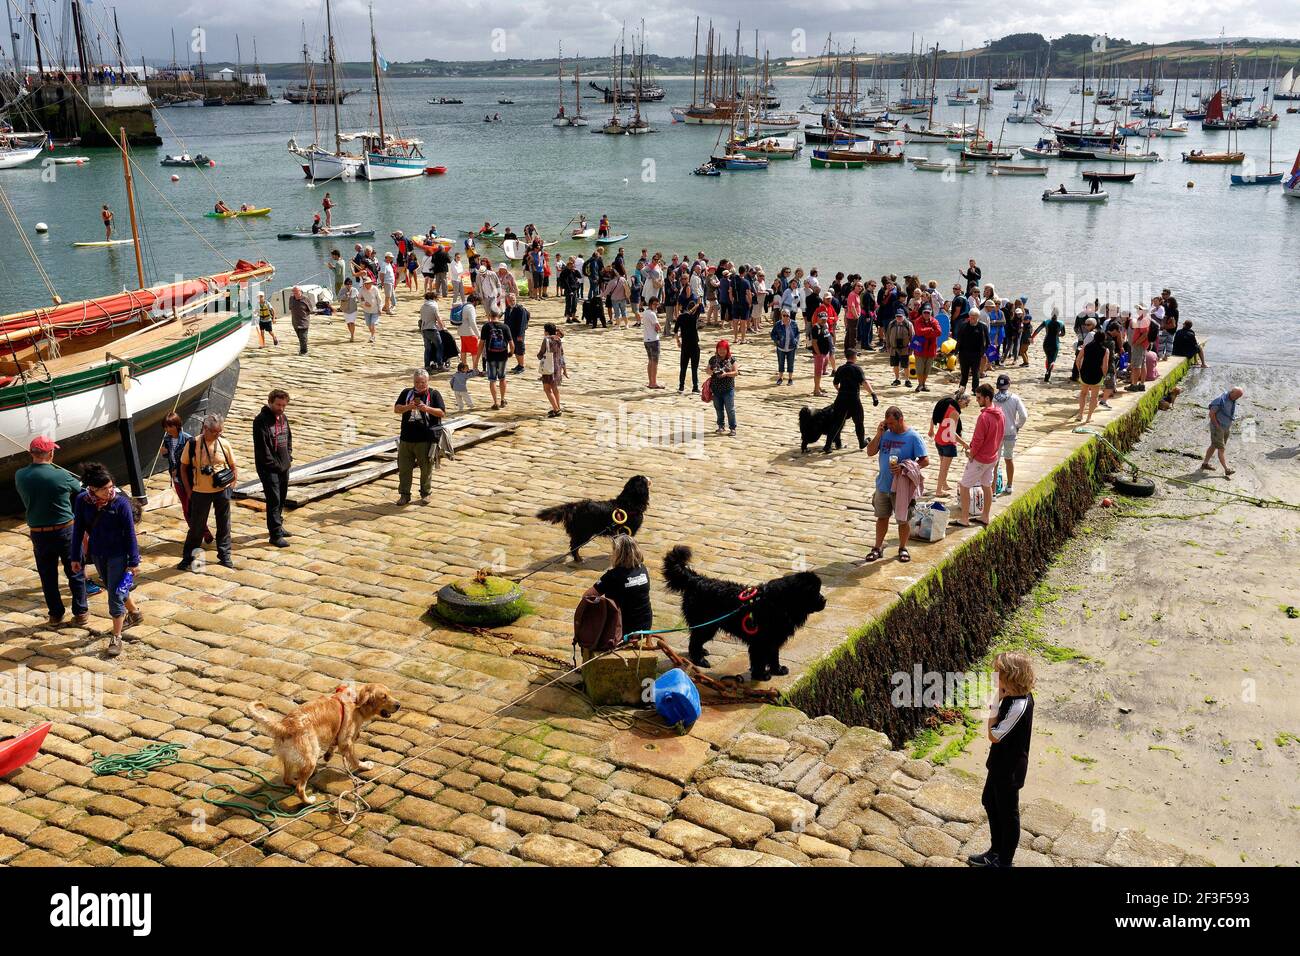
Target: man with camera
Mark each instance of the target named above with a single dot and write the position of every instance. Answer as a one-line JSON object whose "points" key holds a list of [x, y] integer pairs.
{"points": [[208, 471]]}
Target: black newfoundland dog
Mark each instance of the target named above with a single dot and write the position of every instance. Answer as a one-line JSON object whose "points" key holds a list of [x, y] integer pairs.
{"points": [[771, 612], [813, 425], [587, 519]]}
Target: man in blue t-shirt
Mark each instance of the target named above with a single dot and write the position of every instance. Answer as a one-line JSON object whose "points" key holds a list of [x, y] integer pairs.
{"points": [[1222, 412], [896, 444]]}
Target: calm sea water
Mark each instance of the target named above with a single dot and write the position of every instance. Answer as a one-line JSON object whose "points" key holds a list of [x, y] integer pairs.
{"points": [[1230, 253]]}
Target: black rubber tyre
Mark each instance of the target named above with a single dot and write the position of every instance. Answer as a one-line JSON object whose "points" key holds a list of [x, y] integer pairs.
{"points": [[1138, 487]]}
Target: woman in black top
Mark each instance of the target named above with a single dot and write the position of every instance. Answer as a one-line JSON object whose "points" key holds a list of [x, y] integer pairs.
{"points": [[686, 330], [1010, 727], [627, 584], [1092, 362]]}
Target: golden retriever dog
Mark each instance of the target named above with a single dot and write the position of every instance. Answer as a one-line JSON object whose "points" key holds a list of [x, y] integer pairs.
{"points": [[304, 736]]}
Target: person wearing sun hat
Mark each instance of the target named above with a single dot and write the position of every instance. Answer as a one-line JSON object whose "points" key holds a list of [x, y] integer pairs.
{"points": [[47, 492]]}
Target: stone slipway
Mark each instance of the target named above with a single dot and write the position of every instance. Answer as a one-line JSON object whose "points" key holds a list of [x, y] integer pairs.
{"points": [[545, 781]]}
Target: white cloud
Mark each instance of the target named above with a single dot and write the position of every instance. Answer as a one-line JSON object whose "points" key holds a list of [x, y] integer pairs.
{"points": [[463, 30]]}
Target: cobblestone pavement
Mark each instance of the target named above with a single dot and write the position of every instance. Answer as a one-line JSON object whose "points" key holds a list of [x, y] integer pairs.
{"points": [[463, 775]]}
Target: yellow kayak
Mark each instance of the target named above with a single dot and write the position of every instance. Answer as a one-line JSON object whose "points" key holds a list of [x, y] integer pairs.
{"points": [[238, 214]]}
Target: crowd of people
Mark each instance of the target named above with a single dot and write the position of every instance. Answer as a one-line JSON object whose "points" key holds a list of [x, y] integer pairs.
{"points": [[482, 332]]}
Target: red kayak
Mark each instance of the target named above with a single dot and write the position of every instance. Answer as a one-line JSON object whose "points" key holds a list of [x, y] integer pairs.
{"points": [[109, 308], [14, 753]]}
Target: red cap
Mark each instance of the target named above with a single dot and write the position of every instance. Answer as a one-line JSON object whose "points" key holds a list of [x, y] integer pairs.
{"points": [[41, 445]]}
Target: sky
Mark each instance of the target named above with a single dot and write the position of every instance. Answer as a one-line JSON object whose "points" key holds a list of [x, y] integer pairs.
{"points": [[481, 30]]}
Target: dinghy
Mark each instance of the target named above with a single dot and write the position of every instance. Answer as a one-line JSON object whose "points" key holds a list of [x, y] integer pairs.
{"points": [[1090, 175], [1053, 195], [184, 159], [929, 167], [1008, 169], [818, 162], [1218, 159]]}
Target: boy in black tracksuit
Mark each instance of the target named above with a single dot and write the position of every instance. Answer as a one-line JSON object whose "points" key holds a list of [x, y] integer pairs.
{"points": [[1009, 731]]}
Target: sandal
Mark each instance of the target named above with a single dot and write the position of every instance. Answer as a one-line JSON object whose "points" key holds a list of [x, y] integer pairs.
{"points": [[875, 554], [979, 521], [903, 556]]}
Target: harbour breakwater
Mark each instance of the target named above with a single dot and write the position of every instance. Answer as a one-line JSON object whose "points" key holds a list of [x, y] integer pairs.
{"points": [[945, 621]]}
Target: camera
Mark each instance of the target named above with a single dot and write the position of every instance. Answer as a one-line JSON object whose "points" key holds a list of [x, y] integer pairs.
{"points": [[206, 470]]}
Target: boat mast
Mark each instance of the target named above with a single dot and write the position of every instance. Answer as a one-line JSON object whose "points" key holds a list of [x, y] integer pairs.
{"points": [[130, 205], [695, 66], [334, 79], [934, 78], [374, 62]]}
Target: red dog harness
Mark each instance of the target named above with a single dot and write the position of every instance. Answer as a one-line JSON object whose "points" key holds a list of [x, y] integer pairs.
{"points": [[343, 713]]}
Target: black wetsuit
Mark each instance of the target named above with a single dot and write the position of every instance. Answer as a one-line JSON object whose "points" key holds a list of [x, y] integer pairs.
{"points": [[849, 379]]}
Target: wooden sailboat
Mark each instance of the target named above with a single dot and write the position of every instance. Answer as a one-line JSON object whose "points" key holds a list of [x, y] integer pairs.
{"points": [[562, 117], [638, 125], [387, 156], [1256, 179], [317, 161], [614, 126], [1230, 157]]}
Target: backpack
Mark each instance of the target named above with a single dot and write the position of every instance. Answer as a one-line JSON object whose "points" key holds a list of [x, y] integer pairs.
{"points": [[496, 342], [898, 334]]}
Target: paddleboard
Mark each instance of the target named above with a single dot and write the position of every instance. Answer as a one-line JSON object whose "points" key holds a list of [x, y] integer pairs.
{"points": [[354, 234], [239, 214], [584, 234], [103, 242], [609, 240], [514, 249]]}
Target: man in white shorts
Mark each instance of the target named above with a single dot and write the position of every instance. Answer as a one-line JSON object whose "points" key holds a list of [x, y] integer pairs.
{"points": [[348, 299], [985, 445], [370, 305]]}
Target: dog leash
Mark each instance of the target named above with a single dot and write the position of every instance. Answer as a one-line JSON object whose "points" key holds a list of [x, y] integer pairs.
{"points": [[264, 804]]}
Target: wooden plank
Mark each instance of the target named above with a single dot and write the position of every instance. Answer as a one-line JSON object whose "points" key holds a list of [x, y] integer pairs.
{"points": [[353, 456], [360, 466], [351, 478], [318, 492]]}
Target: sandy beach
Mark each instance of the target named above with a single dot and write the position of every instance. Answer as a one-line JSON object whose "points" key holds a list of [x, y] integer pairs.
{"points": [[1170, 704]]}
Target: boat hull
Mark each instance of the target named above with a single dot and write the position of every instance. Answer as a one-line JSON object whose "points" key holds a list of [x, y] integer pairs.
{"points": [[318, 164], [11, 158], [90, 404], [379, 167]]}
